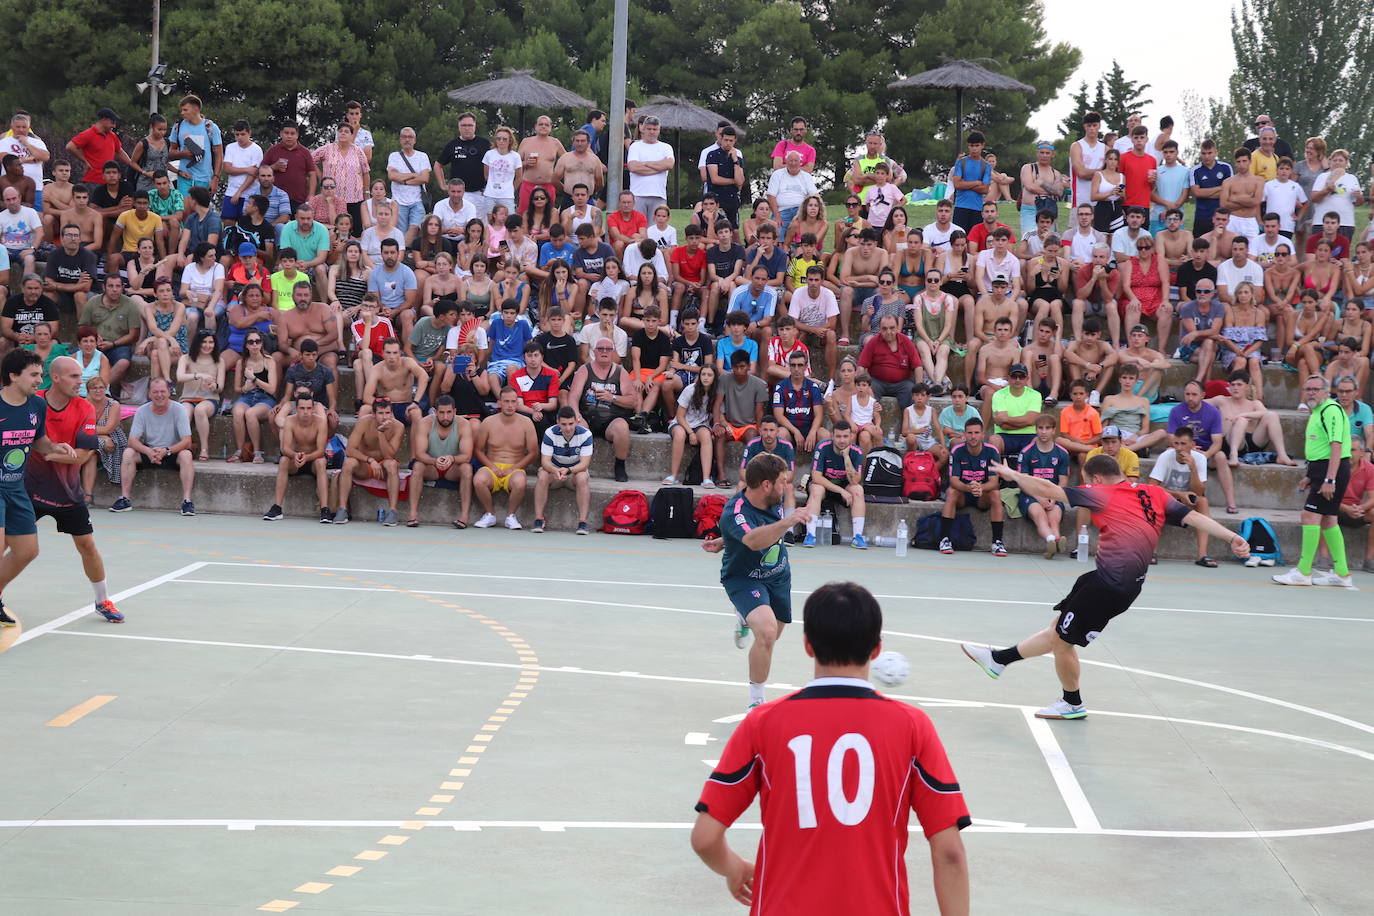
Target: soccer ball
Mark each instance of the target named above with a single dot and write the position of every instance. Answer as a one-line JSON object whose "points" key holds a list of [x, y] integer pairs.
{"points": [[890, 669]]}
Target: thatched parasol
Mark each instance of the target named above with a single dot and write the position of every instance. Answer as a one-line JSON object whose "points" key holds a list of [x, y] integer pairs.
{"points": [[520, 88], [960, 75], [680, 114]]}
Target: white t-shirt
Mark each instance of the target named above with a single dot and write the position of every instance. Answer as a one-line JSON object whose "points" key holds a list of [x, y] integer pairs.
{"points": [[699, 417], [1172, 473], [633, 260], [455, 220], [1009, 265], [1341, 199], [372, 242], [17, 229], [790, 190], [202, 283], [1283, 197], [1263, 252], [1231, 276], [606, 288], [1081, 246], [1123, 244], [501, 173], [12, 147], [407, 193], [1094, 157], [478, 338], [655, 185], [241, 157], [363, 138], [813, 312], [591, 333], [935, 237], [665, 238]]}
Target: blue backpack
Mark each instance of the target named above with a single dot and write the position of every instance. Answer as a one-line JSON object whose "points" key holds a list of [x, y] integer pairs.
{"points": [[1263, 540], [927, 536], [334, 451]]}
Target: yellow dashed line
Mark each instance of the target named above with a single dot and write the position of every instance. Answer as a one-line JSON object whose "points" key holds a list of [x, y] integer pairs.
{"points": [[344, 871], [428, 812], [441, 799], [460, 772], [278, 906], [392, 840], [313, 887], [412, 825], [468, 760], [370, 855], [453, 786]]}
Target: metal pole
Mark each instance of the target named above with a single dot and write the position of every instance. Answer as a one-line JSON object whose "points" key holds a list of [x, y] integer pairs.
{"points": [[157, 34], [615, 146], [677, 171], [958, 125]]}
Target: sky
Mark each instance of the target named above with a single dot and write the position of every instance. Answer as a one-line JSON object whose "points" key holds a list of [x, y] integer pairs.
{"points": [[1208, 63]]}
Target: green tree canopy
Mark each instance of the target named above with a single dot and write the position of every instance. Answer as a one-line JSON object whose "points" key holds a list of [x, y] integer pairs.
{"points": [[1115, 97]]}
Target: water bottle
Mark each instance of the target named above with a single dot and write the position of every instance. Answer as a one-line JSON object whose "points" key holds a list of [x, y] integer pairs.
{"points": [[884, 541], [826, 528], [902, 537], [1083, 543]]}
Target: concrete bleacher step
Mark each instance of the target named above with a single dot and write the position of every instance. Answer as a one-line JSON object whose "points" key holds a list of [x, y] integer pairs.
{"points": [[248, 489]]}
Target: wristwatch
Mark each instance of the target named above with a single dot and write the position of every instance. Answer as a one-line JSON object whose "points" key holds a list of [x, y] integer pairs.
{"points": [[1329, 480]]}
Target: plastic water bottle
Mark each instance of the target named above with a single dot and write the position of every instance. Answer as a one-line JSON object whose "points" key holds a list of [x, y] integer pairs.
{"points": [[827, 527], [1083, 543], [902, 537], [883, 540]]}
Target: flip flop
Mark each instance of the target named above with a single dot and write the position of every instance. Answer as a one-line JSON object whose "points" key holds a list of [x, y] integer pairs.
{"points": [[1205, 562], [459, 525], [413, 523], [203, 456], [1232, 510]]}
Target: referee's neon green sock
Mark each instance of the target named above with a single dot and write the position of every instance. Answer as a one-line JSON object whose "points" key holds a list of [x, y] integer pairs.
{"points": [[1311, 536], [1335, 542]]}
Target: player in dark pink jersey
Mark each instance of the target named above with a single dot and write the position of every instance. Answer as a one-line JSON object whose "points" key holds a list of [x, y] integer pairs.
{"points": [[837, 768], [1129, 517]]}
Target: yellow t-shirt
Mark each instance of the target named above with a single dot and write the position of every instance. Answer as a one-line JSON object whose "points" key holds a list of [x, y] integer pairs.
{"points": [[1266, 167], [135, 229], [1127, 460], [798, 268]]}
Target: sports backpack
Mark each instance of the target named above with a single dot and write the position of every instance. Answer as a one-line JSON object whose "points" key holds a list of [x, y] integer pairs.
{"points": [[707, 515], [927, 536], [334, 450], [920, 476], [1263, 540], [883, 473], [670, 513], [626, 513]]}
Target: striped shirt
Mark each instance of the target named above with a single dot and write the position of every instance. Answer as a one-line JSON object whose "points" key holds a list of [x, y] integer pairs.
{"points": [[563, 451]]}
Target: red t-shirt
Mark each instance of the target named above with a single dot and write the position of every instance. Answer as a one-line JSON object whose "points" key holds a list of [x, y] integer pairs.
{"points": [[778, 356], [978, 235], [380, 332], [836, 767], [535, 389], [1340, 246], [1135, 170], [1129, 517], [299, 165], [54, 484], [887, 365], [690, 264], [1361, 481], [98, 149], [627, 226], [1113, 283]]}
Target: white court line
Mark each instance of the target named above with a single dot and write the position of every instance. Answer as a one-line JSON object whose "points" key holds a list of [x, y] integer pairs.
{"points": [[1084, 818], [89, 607], [795, 591]]}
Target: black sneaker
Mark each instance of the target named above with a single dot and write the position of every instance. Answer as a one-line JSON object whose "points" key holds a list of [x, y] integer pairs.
{"points": [[582, 528], [537, 527], [789, 537], [5, 619], [122, 504], [188, 507], [273, 514], [326, 517]]}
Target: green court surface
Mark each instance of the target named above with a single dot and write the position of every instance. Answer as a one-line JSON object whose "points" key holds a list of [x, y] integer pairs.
{"points": [[308, 719]]}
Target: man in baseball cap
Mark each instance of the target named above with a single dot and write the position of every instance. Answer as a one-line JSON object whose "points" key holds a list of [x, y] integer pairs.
{"points": [[97, 145], [1127, 460], [1015, 409]]}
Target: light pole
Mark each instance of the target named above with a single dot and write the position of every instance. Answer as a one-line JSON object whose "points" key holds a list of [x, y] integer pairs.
{"points": [[615, 146], [155, 77]]}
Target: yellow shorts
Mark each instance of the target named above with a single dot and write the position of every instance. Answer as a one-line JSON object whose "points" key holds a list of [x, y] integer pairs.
{"points": [[501, 482]]}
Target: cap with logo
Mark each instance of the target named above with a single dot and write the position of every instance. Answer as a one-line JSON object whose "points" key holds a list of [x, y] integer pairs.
{"points": [[1111, 432], [1018, 369], [1000, 278]]}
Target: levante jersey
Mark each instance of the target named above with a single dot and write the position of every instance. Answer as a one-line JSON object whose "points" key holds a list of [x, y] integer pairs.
{"points": [[1129, 517], [837, 769]]}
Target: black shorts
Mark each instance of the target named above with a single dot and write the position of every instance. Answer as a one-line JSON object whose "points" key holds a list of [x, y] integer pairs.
{"points": [[73, 520], [168, 462], [969, 501], [598, 425], [1089, 606], [1014, 443], [1316, 473]]}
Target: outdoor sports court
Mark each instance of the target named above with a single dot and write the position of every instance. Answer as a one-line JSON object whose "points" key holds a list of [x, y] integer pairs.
{"points": [[297, 718]]}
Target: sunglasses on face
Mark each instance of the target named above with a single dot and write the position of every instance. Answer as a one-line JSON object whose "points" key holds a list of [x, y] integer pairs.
{"points": [[254, 341], [932, 279], [851, 203]]}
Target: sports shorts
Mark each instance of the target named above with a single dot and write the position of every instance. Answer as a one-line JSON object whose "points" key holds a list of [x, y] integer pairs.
{"points": [[747, 594], [1089, 606]]}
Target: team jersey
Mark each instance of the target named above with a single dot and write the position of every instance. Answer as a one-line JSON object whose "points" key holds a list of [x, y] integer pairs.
{"points": [[535, 389], [778, 356], [380, 332], [836, 768], [971, 468], [829, 463], [56, 484], [1050, 465], [739, 562], [20, 427], [1129, 517], [782, 448], [799, 406]]}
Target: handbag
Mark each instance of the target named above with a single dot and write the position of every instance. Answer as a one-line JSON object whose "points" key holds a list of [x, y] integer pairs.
{"points": [[425, 200]]}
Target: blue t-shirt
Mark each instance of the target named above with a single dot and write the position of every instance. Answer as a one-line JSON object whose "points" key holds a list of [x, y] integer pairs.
{"points": [[782, 448], [799, 406], [1205, 423], [971, 170], [1170, 183], [205, 135], [756, 307], [971, 468], [829, 463], [548, 251], [1050, 465], [1205, 177], [1362, 417], [306, 246], [201, 228], [508, 342], [776, 263], [724, 347], [20, 427], [739, 562], [391, 286]]}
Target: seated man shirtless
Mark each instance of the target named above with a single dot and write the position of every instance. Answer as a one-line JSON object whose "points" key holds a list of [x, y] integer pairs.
{"points": [[302, 436], [397, 379], [506, 445], [994, 362], [314, 321], [372, 449], [1247, 424], [1149, 363], [1092, 359], [441, 449], [990, 309]]}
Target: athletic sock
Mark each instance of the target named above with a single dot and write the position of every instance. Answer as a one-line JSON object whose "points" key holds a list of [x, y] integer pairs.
{"points": [[997, 530], [811, 525], [946, 526], [619, 465], [1006, 656], [1335, 543], [858, 525], [1073, 698], [101, 592], [1311, 536], [755, 692]]}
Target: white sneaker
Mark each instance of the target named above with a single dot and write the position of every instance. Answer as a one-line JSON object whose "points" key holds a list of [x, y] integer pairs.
{"points": [[1293, 577], [1062, 709], [486, 521], [743, 636], [982, 657], [512, 523], [1329, 578]]}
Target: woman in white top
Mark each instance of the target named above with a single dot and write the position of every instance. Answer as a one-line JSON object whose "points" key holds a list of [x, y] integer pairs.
{"points": [[835, 395], [502, 167], [202, 288], [694, 421], [1337, 191], [1108, 187], [376, 195]]}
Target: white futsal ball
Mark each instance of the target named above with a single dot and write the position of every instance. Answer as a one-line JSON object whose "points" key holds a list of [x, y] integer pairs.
{"points": [[890, 669]]}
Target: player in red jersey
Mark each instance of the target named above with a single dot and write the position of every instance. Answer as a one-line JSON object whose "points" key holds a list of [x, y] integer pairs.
{"points": [[1129, 517], [54, 481], [836, 767]]}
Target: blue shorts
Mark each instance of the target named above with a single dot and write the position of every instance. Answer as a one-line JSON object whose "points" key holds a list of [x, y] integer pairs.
{"points": [[121, 352], [747, 594], [231, 210], [1025, 501], [16, 511], [255, 397], [408, 215], [502, 368]]}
